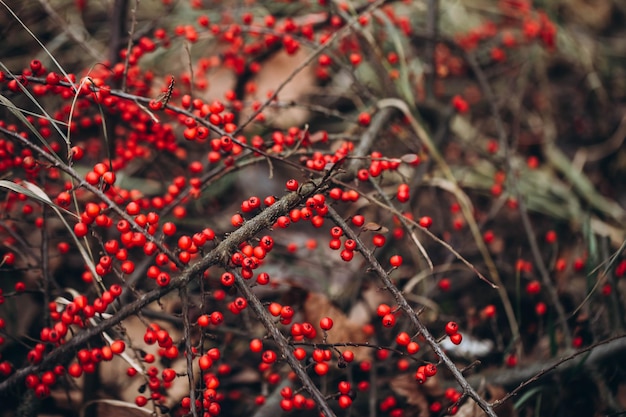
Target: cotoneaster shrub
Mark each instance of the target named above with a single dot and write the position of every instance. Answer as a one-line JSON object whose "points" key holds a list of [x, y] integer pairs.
{"points": [[304, 207]]}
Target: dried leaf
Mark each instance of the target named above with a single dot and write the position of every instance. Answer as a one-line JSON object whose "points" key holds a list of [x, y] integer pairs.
{"points": [[126, 389], [374, 227], [471, 409], [104, 408], [273, 73], [410, 158], [497, 393], [406, 386], [370, 298], [344, 330]]}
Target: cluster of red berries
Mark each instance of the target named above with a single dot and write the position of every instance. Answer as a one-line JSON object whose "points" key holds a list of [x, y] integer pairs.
{"points": [[212, 125], [388, 317], [452, 330], [87, 359]]}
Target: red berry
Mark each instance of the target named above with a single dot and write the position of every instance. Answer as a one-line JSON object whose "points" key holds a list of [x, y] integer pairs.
{"points": [[412, 348], [118, 347], [365, 119], [358, 220], [80, 229], [347, 255], [389, 320], [299, 353], [227, 279], [395, 261], [511, 360], [321, 368], [403, 338], [256, 345], [430, 369], [344, 401], [348, 356], [237, 220], [269, 356], [533, 288], [204, 320], [459, 104], [456, 338], [204, 362], [141, 401], [541, 308], [379, 240], [425, 222], [451, 328], [382, 310], [550, 236], [420, 377], [169, 228], [350, 244], [292, 185], [326, 323]]}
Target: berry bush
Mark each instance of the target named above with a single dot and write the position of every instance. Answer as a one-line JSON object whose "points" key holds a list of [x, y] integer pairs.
{"points": [[317, 208]]}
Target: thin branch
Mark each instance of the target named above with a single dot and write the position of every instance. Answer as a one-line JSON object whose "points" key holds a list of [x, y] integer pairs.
{"points": [[218, 255], [465, 208], [432, 30], [184, 298], [70, 31], [532, 240], [283, 346], [348, 27], [529, 374], [405, 224], [412, 315], [118, 29], [81, 183]]}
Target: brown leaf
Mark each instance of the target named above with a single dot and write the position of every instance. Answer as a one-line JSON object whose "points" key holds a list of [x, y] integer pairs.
{"points": [[497, 393], [126, 389], [406, 386], [274, 71], [471, 409], [374, 227], [344, 330], [104, 408], [410, 158]]}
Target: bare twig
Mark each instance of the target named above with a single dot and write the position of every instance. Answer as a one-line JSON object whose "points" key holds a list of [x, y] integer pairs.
{"points": [[84, 184], [119, 14], [131, 31], [432, 29], [184, 298], [218, 255], [529, 374], [512, 178], [405, 224], [283, 345], [411, 314], [70, 30], [348, 27]]}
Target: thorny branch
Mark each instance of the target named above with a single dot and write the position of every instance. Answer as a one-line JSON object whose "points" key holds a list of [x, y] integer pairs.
{"points": [[411, 314]]}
